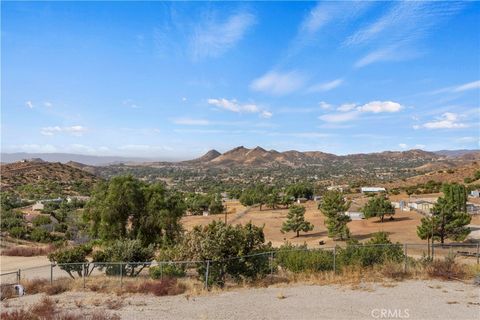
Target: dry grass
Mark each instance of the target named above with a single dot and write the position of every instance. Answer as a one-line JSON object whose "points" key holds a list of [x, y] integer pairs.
{"points": [[446, 269], [164, 287], [46, 309], [21, 251], [41, 285]]}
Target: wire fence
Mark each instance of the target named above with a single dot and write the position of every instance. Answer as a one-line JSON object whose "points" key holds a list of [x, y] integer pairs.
{"points": [[262, 264]]}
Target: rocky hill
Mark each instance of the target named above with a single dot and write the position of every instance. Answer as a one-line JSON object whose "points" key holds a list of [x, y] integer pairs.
{"points": [[65, 178]]}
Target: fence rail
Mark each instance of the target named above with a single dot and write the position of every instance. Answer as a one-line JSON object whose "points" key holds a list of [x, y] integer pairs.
{"points": [[268, 263]]}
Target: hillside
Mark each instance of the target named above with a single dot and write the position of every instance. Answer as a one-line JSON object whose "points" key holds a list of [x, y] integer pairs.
{"points": [[28, 177]]}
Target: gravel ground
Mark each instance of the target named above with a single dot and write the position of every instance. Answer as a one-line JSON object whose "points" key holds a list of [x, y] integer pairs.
{"points": [[404, 300]]}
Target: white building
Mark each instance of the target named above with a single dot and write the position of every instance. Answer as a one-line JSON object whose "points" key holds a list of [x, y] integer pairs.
{"points": [[475, 193], [372, 189], [355, 215]]}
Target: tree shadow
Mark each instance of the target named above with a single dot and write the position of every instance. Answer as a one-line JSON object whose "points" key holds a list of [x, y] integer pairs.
{"points": [[367, 235], [387, 220]]}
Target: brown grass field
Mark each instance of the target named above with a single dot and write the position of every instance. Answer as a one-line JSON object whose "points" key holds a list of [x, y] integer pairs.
{"points": [[401, 229]]}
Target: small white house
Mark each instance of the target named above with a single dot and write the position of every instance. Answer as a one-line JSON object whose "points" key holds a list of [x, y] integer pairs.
{"points": [[372, 189], [475, 193], [79, 198], [355, 215], [317, 198]]}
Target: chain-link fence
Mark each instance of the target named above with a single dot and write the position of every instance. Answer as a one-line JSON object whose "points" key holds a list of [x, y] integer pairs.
{"points": [[254, 266]]}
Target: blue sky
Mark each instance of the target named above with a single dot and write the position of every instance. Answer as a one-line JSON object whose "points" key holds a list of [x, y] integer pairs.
{"points": [[174, 79]]}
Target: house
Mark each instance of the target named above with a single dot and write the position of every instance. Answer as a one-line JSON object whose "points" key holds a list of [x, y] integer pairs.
{"points": [[402, 205], [421, 205], [78, 198], [372, 189], [355, 215], [335, 188], [475, 193], [317, 198]]}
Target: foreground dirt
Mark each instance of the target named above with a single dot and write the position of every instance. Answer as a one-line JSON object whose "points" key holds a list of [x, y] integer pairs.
{"points": [[417, 299]]}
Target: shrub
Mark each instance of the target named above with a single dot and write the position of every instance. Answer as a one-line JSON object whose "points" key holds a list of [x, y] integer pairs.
{"points": [[18, 232], [34, 286], [70, 259], [56, 288], [40, 235], [130, 251], [377, 250], [164, 287], [226, 247], [299, 259], [167, 270], [446, 269], [41, 220], [45, 309]]}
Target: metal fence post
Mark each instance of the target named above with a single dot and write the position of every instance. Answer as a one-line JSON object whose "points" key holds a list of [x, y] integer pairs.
{"points": [[271, 263], [206, 274], [83, 275], [121, 275], [335, 259], [161, 270], [19, 272], [51, 273], [478, 253], [405, 254]]}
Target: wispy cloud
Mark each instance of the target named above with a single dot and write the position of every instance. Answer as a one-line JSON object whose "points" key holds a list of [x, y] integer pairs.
{"points": [[395, 34], [130, 104], [213, 37], [29, 104], [73, 130], [349, 111], [325, 86], [474, 85], [448, 120], [278, 83], [234, 106], [48, 104]]}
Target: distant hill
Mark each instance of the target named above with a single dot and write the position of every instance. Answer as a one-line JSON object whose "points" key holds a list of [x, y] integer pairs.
{"points": [[456, 153], [66, 157], [60, 178]]}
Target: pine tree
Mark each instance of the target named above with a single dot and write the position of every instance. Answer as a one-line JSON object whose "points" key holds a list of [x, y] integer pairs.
{"points": [[333, 206], [296, 221]]}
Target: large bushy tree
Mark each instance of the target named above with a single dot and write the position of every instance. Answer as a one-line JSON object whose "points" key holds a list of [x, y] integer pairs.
{"points": [[126, 208], [334, 206], [378, 206], [296, 221]]}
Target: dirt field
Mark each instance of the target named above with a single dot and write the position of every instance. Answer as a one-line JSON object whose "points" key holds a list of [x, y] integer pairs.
{"points": [[411, 299], [402, 229]]}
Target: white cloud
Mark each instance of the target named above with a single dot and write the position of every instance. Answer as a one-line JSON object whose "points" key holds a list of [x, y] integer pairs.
{"points": [[29, 104], [266, 114], [403, 145], [34, 148], [380, 106], [73, 130], [325, 106], [184, 99], [212, 38], [192, 122], [47, 104], [347, 107], [396, 33], [234, 106], [143, 148], [350, 111], [340, 117], [448, 120], [467, 86], [277, 83], [326, 86]]}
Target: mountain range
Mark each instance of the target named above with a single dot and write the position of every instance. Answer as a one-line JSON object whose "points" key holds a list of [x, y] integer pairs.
{"points": [[255, 157]]}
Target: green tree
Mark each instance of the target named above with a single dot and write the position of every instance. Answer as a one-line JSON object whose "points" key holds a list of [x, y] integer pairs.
{"points": [[286, 200], [296, 221], [378, 206], [334, 206], [273, 199], [425, 230], [450, 217], [71, 259]]}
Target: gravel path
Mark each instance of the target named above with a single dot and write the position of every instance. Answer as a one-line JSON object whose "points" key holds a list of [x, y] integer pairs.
{"points": [[409, 299]]}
